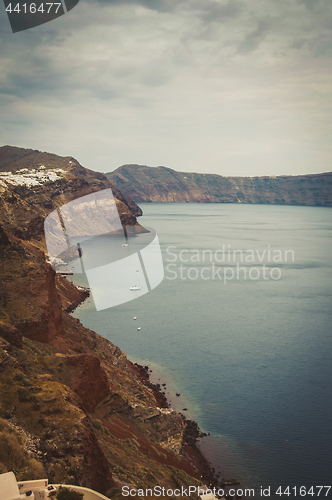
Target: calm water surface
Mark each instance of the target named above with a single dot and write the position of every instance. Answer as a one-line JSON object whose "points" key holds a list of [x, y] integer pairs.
{"points": [[250, 357]]}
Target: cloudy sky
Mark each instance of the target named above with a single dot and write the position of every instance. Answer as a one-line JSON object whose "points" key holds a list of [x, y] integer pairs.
{"points": [[235, 87]]}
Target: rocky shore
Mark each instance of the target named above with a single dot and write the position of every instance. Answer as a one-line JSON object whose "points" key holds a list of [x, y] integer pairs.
{"points": [[73, 408], [191, 433]]}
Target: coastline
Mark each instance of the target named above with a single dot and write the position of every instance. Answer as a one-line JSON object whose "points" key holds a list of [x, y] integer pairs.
{"points": [[192, 433]]}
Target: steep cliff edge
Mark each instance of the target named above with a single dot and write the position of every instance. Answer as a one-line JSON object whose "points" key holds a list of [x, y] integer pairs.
{"points": [[23, 208], [73, 408], [161, 184]]}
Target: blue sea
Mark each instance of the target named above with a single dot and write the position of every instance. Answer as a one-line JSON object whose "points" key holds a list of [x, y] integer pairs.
{"points": [[241, 327]]}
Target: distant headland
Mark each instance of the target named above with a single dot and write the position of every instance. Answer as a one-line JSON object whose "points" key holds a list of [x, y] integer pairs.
{"points": [[162, 184]]}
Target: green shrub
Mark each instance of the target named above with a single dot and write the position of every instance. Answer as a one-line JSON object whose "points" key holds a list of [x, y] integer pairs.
{"points": [[21, 355], [26, 382], [96, 424], [23, 394], [19, 376], [69, 494], [13, 455], [115, 494]]}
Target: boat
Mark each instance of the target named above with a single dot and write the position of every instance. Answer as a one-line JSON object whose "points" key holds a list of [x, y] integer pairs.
{"points": [[125, 244], [135, 287], [135, 317], [138, 329]]}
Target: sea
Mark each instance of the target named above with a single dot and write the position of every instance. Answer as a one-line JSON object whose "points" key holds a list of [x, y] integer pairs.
{"points": [[241, 328]]}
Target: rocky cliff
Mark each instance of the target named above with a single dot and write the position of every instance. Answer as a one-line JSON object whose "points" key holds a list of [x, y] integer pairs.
{"points": [[24, 209], [161, 184], [73, 408]]}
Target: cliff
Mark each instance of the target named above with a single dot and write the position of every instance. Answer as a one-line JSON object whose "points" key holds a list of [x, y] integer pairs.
{"points": [[23, 207], [73, 408], [161, 184]]}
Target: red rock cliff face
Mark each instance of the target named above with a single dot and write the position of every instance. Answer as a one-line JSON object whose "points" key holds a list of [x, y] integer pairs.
{"points": [[95, 470], [78, 404], [86, 414], [30, 301], [36, 309], [89, 380], [48, 324], [31, 308]]}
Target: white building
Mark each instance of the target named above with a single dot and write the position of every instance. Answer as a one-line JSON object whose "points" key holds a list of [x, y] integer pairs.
{"points": [[37, 489]]}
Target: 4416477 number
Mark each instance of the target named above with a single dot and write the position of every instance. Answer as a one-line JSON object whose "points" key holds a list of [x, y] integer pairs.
{"points": [[32, 8], [302, 491]]}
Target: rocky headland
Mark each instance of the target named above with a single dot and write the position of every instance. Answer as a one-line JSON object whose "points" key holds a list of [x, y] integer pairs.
{"points": [[73, 408], [24, 205], [162, 184]]}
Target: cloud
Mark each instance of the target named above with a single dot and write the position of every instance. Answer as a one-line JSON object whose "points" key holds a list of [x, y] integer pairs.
{"points": [[213, 84], [158, 5], [219, 12], [255, 37]]}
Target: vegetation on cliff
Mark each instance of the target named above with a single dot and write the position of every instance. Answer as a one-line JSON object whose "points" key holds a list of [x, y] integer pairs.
{"points": [[73, 408]]}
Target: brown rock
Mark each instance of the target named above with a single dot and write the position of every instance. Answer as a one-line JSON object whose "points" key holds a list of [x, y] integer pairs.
{"points": [[12, 335], [95, 470], [90, 381], [4, 241], [48, 324]]}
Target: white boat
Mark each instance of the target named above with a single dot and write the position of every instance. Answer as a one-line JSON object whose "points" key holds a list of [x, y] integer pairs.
{"points": [[138, 329], [135, 317], [125, 244], [135, 287]]}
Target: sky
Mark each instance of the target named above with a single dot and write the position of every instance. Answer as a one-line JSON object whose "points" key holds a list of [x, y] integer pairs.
{"points": [[233, 87]]}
